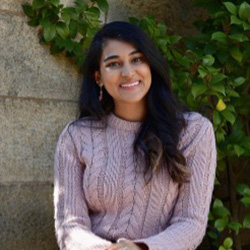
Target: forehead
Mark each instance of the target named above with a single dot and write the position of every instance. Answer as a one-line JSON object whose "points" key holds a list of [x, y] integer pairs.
{"points": [[116, 47]]}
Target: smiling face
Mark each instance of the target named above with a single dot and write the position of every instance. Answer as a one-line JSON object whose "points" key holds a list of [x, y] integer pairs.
{"points": [[125, 74]]}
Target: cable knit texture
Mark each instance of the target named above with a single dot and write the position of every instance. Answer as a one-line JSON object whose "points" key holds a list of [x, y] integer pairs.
{"points": [[100, 193]]}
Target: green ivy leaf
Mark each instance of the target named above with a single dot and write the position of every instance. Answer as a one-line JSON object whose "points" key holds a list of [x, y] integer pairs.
{"points": [[217, 78], [235, 20], [241, 187], [239, 80], [221, 211], [217, 203], [229, 116], [236, 53], [231, 92], [222, 248], [220, 37], [49, 33], [37, 4], [220, 224], [208, 60], [73, 29], [212, 235], [198, 89], [33, 22], [246, 26], [28, 10], [44, 22], [103, 5], [231, 8], [246, 221], [55, 2], [62, 30], [218, 88], [216, 118], [238, 150], [244, 11], [235, 226], [239, 37], [228, 243], [246, 201]]}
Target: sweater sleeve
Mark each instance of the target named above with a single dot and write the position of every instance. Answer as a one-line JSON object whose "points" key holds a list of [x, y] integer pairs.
{"points": [[72, 222], [188, 224]]}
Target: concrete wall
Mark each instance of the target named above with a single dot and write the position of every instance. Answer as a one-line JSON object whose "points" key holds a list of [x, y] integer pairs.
{"points": [[38, 94]]}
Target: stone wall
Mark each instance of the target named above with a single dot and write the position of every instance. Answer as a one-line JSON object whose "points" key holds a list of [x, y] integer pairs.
{"points": [[38, 94]]}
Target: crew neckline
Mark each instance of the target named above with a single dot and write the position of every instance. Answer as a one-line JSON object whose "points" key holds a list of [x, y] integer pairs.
{"points": [[119, 123]]}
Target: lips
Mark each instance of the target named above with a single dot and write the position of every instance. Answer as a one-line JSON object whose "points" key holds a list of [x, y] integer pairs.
{"points": [[130, 84]]}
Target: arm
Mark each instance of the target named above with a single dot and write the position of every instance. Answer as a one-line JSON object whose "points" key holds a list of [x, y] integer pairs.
{"points": [[72, 223], [188, 223]]}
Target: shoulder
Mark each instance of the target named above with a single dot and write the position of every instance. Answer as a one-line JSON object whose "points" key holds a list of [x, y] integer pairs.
{"points": [[81, 127], [198, 128]]}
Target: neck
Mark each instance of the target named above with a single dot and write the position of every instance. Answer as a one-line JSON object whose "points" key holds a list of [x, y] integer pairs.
{"points": [[130, 112]]}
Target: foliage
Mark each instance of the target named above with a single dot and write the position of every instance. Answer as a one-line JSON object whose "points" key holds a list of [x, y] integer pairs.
{"points": [[210, 73], [66, 29]]}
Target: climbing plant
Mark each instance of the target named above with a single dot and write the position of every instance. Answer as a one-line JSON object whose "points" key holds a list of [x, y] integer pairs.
{"points": [[210, 74]]}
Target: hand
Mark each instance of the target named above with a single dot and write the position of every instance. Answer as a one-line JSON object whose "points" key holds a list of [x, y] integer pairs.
{"points": [[123, 244]]}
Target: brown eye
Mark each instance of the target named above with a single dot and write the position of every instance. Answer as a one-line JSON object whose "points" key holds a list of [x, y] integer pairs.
{"points": [[113, 65], [137, 60]]}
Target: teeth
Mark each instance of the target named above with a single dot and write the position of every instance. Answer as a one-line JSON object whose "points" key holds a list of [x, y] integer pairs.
{"points": [[130, 84]]}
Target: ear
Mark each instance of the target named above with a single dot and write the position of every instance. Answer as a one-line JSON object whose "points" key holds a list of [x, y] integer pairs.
{"points": [[98, 78]]}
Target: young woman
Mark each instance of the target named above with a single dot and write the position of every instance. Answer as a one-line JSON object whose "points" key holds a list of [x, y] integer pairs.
{"points": [[134, 171]]}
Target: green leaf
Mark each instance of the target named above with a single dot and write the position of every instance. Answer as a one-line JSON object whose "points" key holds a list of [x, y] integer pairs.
{"points": [[231, 8], [241, 187], [229, 116], [235, 226], [212, 235], [198, 89], [220, 37], [246, 26], [221, 211], [222, 248], [49, 33], [44, 22], [208, 60], [239, 80], [202, 72], [28, 10], [103, 5], [174, 39], [228, 242], [246, 201], [235, 20], [55, 2], [247, 192], [37, 4], [220, 224], [246, 221], [218, 88], [217, 78], [33, 22], [239, 37], [73, 29], [238, 150], [62, 30], [217, 203], [231, 92], [236, 53], [216, 118], [244, 11]]}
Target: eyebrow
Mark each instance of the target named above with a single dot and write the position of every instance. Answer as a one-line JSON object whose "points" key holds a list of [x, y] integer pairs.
{"points": [[116, 56]]}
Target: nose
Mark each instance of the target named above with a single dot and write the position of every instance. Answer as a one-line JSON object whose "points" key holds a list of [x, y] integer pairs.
{"points": [[127, 70]]}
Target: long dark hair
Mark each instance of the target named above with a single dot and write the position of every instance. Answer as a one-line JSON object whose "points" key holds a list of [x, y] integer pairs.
{"points": [[158, 136]]}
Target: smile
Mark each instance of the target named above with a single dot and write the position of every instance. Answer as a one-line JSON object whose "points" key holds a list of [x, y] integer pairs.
{"points": [[129, 85]]}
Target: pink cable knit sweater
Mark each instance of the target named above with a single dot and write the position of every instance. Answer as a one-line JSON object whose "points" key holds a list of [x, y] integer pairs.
{"points": [[100, 194]]}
